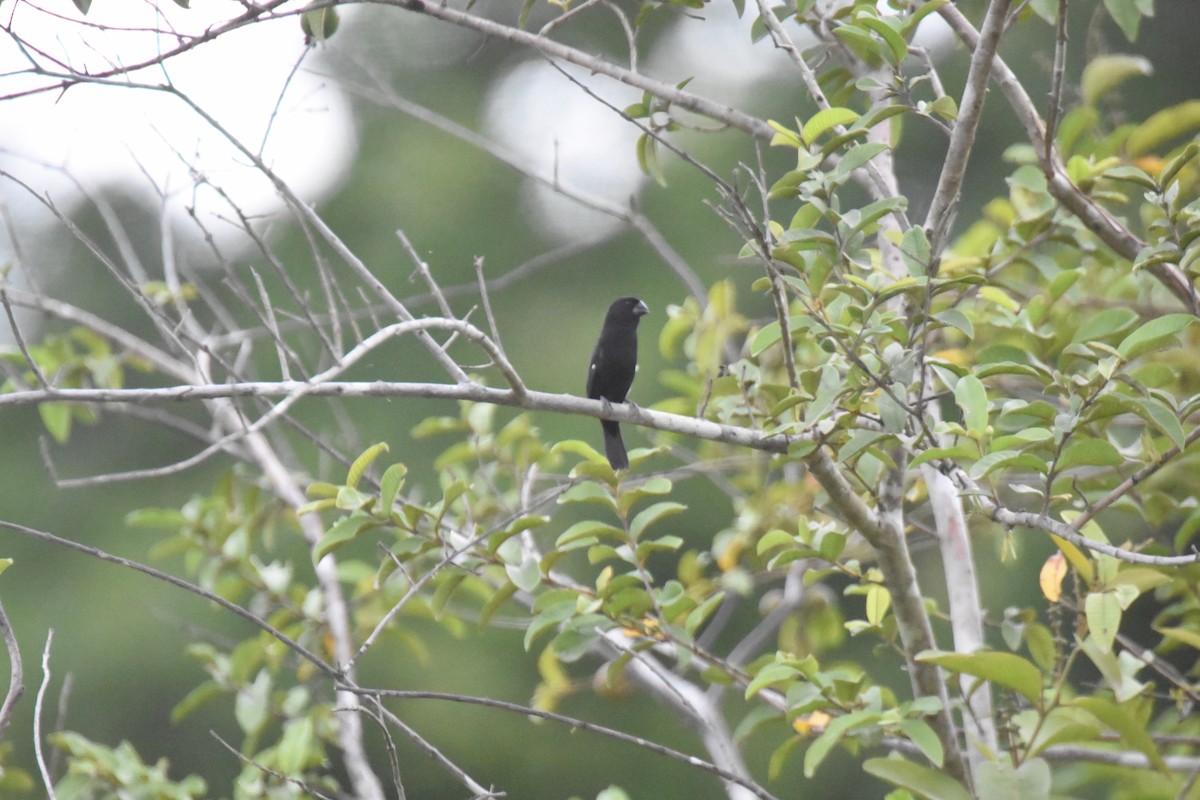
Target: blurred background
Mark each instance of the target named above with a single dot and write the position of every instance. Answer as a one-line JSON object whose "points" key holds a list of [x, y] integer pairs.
{"points": [[364, 126]]}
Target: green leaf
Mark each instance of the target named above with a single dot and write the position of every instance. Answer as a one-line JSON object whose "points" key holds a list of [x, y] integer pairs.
{"points": [[956, 453], [1006, 458], [825, 119], [784, 137], [701, 613], [897, 48], [364, 461], [879, 600], [297, 746], [999, 780], [1162, 127], [921, 11], [770, 675], [1184, 635], [57, 419], [767, 336], [862, 43], [1157, 413], [448, 584], [971, 397], [926, 740], [872, 213], [654, 486], [833, 733], [925, 782], [651, 515], [588, 492], [250, 709], [1172, 167], [169, 518], [914, 249], [1089, 453], [1103, 612], [1154, 335], [389, 486], [648, 160], [351, 499], [945, 107], [202, 694], [496, 602], [1106, 324], [663, 544], [344, 530], [1062, 725], [613, 793], [1132, 731], [829, 387], [781, 756], [1127, 14], [549, 617], [857, 156], [955, 319], [1005, 669], [319, 24], [589, 529], [1106, 72]]}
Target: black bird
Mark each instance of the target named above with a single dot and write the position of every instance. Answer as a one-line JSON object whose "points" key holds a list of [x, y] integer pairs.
{"points": [[614, 362]]}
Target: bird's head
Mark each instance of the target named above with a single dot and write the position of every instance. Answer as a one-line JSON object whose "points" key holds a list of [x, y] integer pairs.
{"points": [[627, 309]]}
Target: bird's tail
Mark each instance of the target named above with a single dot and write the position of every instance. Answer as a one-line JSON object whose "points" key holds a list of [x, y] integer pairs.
{"points": [[614, 446]]}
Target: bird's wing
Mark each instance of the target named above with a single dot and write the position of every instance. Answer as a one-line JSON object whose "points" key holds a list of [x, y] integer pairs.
{"points": [[597, 354]]}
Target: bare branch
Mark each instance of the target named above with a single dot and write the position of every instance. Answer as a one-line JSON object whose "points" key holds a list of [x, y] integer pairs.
{"points": [[47, 781], [552, 49], [962, 137], [16, 673], [299, 784], [694, 427], [20, 340], [165, 577], [1028, 519], [573, 722], [900, 576]]}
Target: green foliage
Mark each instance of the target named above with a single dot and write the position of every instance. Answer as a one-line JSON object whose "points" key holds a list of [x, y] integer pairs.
{"points": [[1028, 359], [76, 359], [103, 773]]}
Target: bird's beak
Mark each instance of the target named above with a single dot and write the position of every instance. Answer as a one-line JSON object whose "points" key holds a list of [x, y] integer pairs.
{"points": [[641, 309]]}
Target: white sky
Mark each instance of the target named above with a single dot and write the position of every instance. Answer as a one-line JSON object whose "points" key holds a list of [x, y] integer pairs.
{"points": [[107, 134]]}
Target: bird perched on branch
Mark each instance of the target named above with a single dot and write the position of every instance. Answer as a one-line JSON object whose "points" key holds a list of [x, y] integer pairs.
{"points": [[614, 361]]}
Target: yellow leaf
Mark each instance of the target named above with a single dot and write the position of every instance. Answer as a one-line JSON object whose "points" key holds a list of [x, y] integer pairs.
{"points": [[1151, 165], [955, 355], [728, 559], [1051, 578], [1081, 563], [813, 723]]}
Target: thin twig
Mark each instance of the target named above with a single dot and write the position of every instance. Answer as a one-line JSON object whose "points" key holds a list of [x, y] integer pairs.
{"points": [[249, 616], [573, 722], [1056, 81], [548, 47], [299, 784], [16, 674], [37, 719], [20, 339], [486, 299], [970, 109]]}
